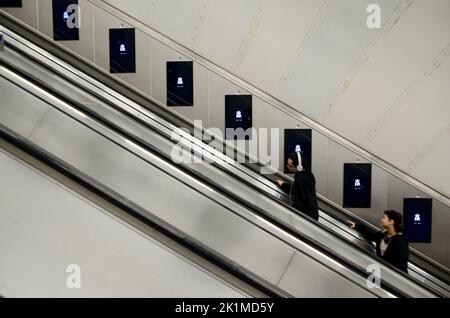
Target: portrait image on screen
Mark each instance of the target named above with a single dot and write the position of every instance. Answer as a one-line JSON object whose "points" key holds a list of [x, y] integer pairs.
{"points": [[180, 83], [417, 220], [64, 21], [122, 50], [357, 185], [298, 140], [238, 114], [10, 3]]}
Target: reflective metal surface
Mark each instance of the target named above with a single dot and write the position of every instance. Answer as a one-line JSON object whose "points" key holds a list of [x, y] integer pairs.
{"points": [[46, 227]]}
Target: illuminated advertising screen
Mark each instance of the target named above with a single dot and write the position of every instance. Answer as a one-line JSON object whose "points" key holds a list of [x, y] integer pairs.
{"points": [[417, 220], [65, 18], [180, 84], [357, 185], [238, 116], [122, 50], [298, 140]]}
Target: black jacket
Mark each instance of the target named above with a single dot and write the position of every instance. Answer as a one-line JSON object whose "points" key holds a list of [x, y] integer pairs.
{"points": [[397, 252], [303, 193]]}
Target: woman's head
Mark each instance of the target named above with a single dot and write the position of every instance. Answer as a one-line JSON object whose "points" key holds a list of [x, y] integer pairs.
{"points": [[392, 219]]}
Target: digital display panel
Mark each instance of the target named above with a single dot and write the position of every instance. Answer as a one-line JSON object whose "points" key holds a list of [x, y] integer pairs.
{"points": [[180, 83], [298, 140], [65, 20], [238, 116], [122, 50], [357, 185], [417, 220]]}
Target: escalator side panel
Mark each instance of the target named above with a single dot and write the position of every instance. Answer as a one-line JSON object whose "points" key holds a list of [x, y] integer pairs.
{"points": [[45, 227]]}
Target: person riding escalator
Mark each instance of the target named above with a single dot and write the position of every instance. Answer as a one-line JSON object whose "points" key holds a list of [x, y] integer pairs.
{"points": [[302, 192], [391, 244]]}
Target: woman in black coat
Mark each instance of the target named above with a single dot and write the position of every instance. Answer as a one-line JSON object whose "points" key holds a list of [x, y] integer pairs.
{"points": [[391, 245]]}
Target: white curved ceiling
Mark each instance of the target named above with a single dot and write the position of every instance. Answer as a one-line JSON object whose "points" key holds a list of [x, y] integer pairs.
{"points": [[386, 89]]}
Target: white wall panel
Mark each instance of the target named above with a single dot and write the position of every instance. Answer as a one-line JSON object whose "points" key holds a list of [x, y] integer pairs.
{"points": [[173, 18], [433, 169], [417, 123], [28, 13], [419, 36], [277, 40], [330, 54], [226, 24]]}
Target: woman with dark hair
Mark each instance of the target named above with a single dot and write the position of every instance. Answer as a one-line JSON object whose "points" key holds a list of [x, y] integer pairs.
{"points": [[302, 192], [391, 245]]}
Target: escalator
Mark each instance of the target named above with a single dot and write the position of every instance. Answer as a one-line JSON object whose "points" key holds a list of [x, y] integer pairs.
{"points": [[48, 222], [58, 134], [332, 216], [145, 136]]}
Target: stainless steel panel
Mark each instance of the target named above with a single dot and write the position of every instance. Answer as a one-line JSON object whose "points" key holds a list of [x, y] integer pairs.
{"points": [[55, 227], [423, 276], [53, 80], [303, 279], [12, 112], [165, 197]]}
